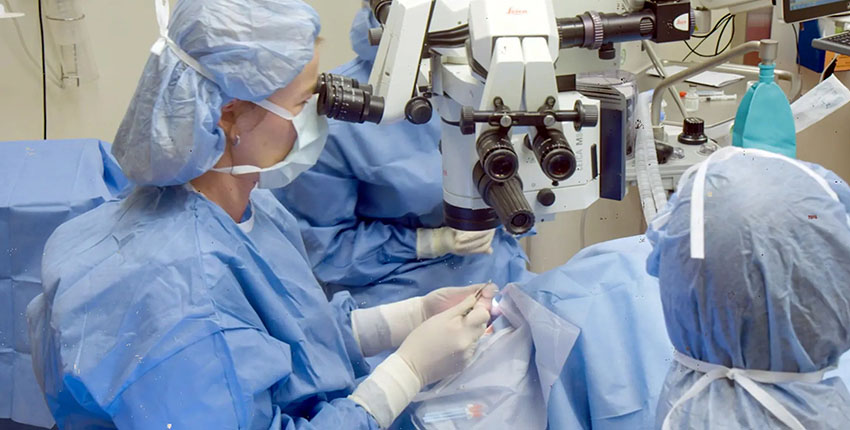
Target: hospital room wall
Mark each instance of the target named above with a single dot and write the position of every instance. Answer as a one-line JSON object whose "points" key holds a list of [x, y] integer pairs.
{"points": [[120, 35], [122, 31]]}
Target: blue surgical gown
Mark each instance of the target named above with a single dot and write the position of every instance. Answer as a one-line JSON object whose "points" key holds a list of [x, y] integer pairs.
{"points": [[44, 183], [615, 373], [161, 312], [360, 206]]}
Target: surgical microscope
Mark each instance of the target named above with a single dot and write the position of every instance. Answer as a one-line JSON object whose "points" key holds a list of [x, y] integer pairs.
{"points": [[519, 141]]}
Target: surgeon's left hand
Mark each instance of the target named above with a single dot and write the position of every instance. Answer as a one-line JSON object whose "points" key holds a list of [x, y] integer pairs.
{"points": [[385, 327], [437, 242]]}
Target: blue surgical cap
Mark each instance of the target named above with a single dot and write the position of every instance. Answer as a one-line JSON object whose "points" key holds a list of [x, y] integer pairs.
{"points": [[772, 292], [250, 49]]}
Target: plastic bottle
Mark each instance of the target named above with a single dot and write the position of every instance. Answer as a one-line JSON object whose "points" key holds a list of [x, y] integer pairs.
{"points": [[692, 99]]}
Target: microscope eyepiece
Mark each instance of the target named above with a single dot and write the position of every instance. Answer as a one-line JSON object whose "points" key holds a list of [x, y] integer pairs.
{"points": [[497, 155], [553, 152], [345, 99], [381, 9]]}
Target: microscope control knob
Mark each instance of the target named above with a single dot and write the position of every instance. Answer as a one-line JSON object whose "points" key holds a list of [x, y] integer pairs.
{"points": [[588, 116], [546, 197], [375, 35], [418, 110], [607, 52], [467, 120], [591, 116], [693, 132]]}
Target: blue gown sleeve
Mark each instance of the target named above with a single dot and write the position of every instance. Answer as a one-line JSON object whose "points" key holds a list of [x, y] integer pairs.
{"points": [[343, 248], [226, 380], [343, 304]]}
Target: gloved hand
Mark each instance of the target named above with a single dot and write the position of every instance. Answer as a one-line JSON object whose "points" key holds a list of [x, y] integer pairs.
{"points": [[442, 299], [441, 346], [444, 343], [385, 327], [437, 242]]}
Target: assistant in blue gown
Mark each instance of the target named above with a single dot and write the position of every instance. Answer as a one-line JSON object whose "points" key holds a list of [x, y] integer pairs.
{"points": [[161, 311], [379, 183]]}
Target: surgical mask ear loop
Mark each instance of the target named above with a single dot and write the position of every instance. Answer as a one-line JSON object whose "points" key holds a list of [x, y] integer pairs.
{"points": [[275, 109]]}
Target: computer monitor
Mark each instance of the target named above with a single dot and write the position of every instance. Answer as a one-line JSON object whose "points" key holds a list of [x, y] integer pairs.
{"points": [[803, 10]]}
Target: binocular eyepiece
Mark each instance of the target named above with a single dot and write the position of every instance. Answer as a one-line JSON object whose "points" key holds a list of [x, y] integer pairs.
{"points": [[497, 155], [554, 154], [345, 99]]}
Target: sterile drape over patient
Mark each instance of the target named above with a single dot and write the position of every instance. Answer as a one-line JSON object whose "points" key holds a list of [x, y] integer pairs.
{"points": [[603, 300]]}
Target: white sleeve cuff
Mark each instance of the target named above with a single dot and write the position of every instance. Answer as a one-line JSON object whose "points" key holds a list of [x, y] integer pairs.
{"points": [[385, 327], [432, 242], [388, 390]]}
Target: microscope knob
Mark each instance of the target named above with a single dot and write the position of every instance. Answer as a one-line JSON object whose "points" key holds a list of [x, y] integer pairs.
{"points": [[546, 197], [467, 120], [607, 52], [418, 110], [591, 116], [693, 132], [588, 116], [375, 35]]}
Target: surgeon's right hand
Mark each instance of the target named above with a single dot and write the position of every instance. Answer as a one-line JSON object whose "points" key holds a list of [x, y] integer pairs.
{"points": [[440, 347], [443, 344]]}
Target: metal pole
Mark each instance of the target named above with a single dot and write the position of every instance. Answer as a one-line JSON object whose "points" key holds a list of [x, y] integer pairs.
{"points": [[696, 69], [659, 67]]}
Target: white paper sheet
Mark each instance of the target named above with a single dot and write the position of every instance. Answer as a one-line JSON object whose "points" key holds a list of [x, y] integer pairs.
{"points": [[711, 79], [819, 102]]}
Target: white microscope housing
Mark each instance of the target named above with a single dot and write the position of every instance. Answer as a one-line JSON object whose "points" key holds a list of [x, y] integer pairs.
{"points": [[519, 142]]}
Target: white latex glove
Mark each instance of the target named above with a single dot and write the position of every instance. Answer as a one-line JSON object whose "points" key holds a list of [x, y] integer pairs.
{"points": [[440, 300], [437, 242], [385, 327], [444, 343], [441, 346]]}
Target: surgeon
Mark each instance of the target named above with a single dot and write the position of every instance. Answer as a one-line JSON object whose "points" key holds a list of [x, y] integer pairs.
{"points": [[751, 255], [191, 305], [376, 229]]}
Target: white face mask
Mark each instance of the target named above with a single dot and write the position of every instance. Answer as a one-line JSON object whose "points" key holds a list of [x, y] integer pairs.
{"points": [[312, 131]]}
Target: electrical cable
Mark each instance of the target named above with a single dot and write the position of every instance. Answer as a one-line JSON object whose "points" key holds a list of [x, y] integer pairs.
{"points": [[721, 22], [449, 38], [717, 50], [714, 29], [583, 228], [452, 32], [797, 55], [450, 122], [43, 69], [446, 43], [54, 75], [796, 43]]}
